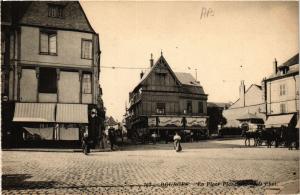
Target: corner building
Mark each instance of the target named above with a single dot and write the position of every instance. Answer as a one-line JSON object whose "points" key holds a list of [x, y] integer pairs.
{"points": [[50, 73], [165, 101]]}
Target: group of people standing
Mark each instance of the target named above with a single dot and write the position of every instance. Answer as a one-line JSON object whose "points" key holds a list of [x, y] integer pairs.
{"points": [[86, 142], [112, 139]]}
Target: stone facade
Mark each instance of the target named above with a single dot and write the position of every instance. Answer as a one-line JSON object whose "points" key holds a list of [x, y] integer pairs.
{"points": [[282, 91]]}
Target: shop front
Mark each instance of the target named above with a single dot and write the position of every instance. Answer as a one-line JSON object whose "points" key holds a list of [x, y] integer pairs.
{"points": [[45, 123]]}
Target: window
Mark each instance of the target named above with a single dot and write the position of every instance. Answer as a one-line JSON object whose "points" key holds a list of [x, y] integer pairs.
{"points": [[48, 42], [87, 83], [283, 108], [55, 11], [160, 108], [47, 80], [282, 90], [86, 49], [189, 107], [200, 107]]}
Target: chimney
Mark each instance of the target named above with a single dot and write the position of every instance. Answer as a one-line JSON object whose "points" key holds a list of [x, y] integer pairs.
{"points": [[151, 60], [242, 93], [275, 69], [141, 74]]}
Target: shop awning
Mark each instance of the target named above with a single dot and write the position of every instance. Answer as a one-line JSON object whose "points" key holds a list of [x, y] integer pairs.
{"points": [[72, 113], [278, 121], [34, 112]]}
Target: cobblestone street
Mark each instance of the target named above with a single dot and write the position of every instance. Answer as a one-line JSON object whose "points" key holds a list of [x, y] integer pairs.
{"points": [[203, 167]]}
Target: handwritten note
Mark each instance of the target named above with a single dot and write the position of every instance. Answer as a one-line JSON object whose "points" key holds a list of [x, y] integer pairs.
{"points": [[206, 12]]}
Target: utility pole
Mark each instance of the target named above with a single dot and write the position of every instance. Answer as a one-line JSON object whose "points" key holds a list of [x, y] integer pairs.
{"points": [[196, 73]]}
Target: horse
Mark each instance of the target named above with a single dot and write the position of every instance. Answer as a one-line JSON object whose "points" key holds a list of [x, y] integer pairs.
{"points": [[250, 135], [266, 135]]}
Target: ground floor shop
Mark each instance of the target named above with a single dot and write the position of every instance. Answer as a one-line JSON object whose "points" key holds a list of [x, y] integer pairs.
{"points": [[53, 124], [163, 128]]}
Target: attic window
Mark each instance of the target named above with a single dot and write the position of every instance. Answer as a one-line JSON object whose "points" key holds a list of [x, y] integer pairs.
{"points": [[55, 11]]}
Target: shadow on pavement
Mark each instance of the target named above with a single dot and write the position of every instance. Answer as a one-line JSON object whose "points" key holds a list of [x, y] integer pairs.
{"points": [[18, 181]]}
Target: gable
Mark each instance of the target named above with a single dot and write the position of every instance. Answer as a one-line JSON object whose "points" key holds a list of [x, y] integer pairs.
{"points": [[253, 96], [160, 67], [161, 74], [73, 18]]}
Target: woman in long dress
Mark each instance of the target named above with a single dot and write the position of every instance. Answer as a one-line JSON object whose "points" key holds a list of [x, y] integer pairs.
{"points": [[177, 140]]}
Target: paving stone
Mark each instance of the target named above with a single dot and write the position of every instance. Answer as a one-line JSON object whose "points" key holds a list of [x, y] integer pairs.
{"points": [[151, 171]]}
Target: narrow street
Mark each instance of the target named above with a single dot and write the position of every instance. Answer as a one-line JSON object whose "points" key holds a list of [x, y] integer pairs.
{"points": [[213, 166]]}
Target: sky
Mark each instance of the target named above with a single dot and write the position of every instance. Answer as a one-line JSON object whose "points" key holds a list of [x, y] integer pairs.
{"points": [[225, 41]]}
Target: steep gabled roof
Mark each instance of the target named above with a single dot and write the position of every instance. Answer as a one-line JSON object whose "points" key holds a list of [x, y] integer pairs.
{"points": [[159, 61], [111, 121]]}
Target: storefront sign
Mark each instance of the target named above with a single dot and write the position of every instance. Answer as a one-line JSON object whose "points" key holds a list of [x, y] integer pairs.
{"points": [[177, 121]]}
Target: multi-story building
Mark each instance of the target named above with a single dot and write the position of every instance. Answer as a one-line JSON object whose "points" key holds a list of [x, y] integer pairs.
{"points": [[50, 72], [250, 104], [281, 93], [165, 101]]}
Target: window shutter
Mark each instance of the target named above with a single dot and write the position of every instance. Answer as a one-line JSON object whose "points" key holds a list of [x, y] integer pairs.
{"points": [[44, 42], [52, 42]]}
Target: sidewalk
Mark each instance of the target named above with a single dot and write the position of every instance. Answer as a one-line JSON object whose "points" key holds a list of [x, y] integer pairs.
{"points": [[288, 187]]}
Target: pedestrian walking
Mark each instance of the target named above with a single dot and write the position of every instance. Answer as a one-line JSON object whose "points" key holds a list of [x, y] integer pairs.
{"points": [[177, 145], [111, 137], [85, 143], [154, 136], [166, 136]]}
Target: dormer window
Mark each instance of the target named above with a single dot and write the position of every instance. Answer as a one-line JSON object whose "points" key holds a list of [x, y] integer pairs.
{"points": [[55, 11], [284, 70]]}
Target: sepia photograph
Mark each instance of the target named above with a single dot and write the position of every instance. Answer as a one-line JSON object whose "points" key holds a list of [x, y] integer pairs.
{"points": [[150, 97]]}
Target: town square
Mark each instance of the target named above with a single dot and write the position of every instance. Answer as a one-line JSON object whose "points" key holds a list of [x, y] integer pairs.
{"points": [[150, 97], [213, 167]]}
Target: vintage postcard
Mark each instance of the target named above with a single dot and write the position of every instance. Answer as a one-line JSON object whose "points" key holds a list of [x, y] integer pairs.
{"points": [[150, 97]]}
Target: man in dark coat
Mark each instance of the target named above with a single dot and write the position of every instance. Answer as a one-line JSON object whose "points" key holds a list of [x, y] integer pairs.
{"points": [[111, 137]]}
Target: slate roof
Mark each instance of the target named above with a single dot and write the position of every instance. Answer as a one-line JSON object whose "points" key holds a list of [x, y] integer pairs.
{"points": [[291, 64], [186, 79], [11, 12], [35, 13], [292, 61]]}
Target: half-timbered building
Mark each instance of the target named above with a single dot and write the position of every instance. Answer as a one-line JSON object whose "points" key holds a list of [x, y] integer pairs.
{"points": [[165, 101]]}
